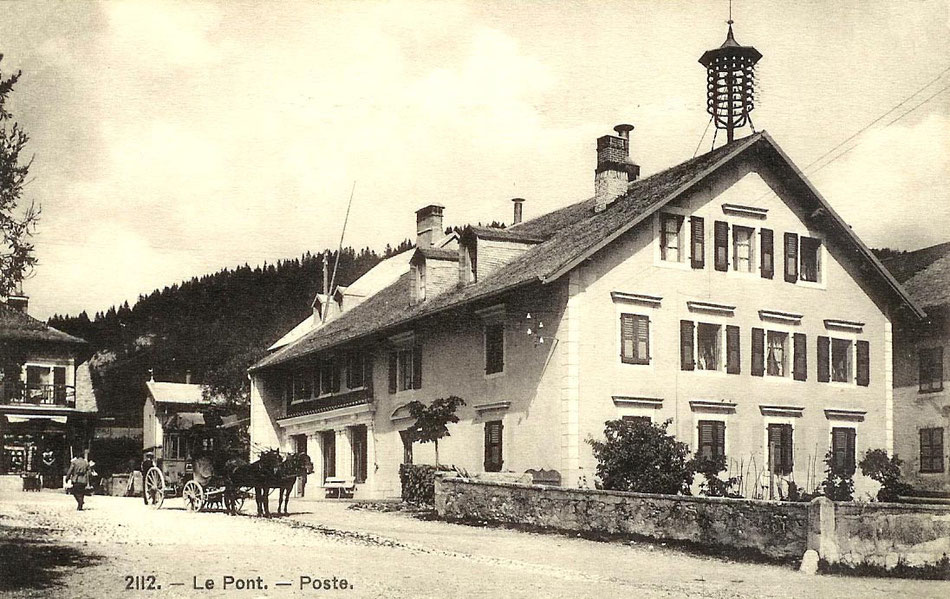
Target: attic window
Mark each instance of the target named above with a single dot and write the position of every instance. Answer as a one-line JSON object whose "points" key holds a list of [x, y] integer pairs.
{"points": [[670, 238], [468, 265], [419, 271], [811, 259]]}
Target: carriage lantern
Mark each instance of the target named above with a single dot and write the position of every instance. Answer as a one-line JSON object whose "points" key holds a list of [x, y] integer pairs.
{"points": [[730, 83]]}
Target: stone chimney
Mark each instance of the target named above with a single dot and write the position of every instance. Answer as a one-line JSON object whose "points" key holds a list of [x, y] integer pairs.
{"points": [[614, 169], [428, 225], [519, 205], [19, 303]]}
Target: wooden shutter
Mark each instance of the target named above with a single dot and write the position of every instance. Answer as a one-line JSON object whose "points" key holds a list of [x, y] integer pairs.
{"points": [[368, 370], [493, 448], [733, 360], [641, 334], [824, 359], [758, 352], [706, 448], [780, 442], [697, 242], [417, 367], [393, 370], [720, 438], [721, 245], [334, 375], [767, 252], [627, 339], [864, 363], [925, 450], [791, 257], [800, 367], [686, 345]]}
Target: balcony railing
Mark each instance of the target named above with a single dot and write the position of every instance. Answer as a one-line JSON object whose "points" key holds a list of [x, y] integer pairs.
{"points": [[19, 393]]}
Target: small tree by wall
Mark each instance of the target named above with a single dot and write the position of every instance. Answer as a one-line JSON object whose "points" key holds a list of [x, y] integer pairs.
{"points": [[877, 465], [641, 456], [432, 421], [839, 482]]}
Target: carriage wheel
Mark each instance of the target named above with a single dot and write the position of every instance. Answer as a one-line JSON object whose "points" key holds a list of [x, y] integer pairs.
{"points": [[154, 488], [239, 500], [194, 496]]}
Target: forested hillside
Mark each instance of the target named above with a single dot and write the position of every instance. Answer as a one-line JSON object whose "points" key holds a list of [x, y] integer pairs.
{"points": [[214, 326]]}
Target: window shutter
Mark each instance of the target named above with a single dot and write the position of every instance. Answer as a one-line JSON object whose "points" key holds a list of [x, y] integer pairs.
{"points": [[721, 245], [936, 444], [686, 345], [698, 242], [493, 449], [850, 449], [368, 370], [768, 253], [393, 363], [824, 359], [642, 335], [800, 372], [417, 367], [787, 464], [627, 338], [758, 352], [864, 363], [791, 257], [732, 350], [720, 428], [334, 375]]}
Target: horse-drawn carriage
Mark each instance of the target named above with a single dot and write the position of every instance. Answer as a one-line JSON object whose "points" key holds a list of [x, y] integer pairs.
{"points": [[220, 478]]}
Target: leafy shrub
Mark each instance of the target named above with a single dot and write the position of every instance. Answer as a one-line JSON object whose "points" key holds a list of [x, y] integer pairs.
{"points": [[796, 493], [839, 483], [418, 483], [877, 465], [640, 456], [713, 486]]}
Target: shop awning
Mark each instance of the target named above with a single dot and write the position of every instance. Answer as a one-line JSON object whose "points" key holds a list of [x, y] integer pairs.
{"points": [[26, 417]]}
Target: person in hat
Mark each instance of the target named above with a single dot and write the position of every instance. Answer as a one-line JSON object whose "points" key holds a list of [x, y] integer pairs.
{"points": [[78, 475], [147, 463]]}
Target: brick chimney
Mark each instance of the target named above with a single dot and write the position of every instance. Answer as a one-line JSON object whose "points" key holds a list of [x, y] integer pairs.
{"points": [[428, 225], [519, 205], [614, 169]]}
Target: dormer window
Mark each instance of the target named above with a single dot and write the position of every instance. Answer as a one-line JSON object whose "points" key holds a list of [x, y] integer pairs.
{"points": [[468, 265], [419, 274]]}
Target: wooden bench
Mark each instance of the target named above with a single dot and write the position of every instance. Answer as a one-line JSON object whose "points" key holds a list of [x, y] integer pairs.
{"points": [[343, 487]]}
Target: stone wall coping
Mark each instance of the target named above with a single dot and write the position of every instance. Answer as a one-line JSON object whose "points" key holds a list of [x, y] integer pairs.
{"points": [[630, 494], [857, 508]]}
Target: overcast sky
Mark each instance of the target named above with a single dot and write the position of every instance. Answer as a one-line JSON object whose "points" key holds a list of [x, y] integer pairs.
{"points": [[174, 139]]}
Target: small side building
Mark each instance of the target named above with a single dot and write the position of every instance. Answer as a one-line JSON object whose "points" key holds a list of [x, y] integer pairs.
{"points": [[921, 367], [170, 411]]}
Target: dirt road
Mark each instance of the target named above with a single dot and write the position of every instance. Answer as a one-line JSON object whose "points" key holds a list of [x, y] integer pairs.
{"points": [[48, 549]]}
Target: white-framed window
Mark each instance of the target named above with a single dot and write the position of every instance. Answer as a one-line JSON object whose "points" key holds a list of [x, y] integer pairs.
{"points": [[404, 369], [810, 259], [743, 249], [776, 353], [671, 237], [708, 346], [842, 360]]}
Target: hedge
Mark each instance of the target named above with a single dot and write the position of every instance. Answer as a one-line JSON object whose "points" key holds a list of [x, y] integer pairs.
{"points": [[418, 482]]}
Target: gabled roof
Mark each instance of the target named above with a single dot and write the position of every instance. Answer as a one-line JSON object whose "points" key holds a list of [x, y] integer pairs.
{"points": [[517, 235], [568, 237], [175, 393], [434, 253], [20, 326], [925, 274]]}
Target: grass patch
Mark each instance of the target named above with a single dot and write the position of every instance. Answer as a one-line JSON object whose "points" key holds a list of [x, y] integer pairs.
{"points": [[939, 570], [730, 554]]}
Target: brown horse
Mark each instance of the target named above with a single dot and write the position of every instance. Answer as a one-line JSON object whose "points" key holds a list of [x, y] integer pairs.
{"points": [[259, 474], [293, 466]]}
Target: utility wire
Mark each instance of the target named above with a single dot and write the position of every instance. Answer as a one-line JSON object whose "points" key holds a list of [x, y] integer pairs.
{"points": [[705, 131], [878, 119]]}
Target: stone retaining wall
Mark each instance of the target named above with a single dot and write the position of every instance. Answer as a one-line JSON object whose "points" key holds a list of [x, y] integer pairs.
{"points": [[773, 529], [853, 533]]}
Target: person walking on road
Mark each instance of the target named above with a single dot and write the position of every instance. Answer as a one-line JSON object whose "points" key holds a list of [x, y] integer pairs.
{"points": [[78, 475]]}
